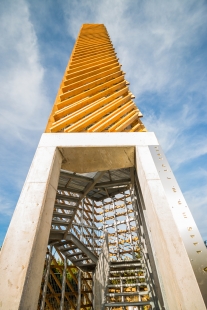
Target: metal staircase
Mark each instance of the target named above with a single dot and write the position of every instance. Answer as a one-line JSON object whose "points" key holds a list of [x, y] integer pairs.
{"points": [[75, 251], [127, 286], [96, 225]]}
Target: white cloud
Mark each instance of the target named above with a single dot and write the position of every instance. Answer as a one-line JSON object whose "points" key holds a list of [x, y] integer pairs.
{"points": [[6, 207], [197, 201], [181, 147], [24, 106]]}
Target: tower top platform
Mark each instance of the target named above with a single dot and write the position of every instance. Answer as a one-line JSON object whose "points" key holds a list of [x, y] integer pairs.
{"points": [[94, 95]]}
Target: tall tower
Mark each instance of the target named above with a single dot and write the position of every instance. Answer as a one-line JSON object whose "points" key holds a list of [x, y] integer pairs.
{"points": [[101, 222]]}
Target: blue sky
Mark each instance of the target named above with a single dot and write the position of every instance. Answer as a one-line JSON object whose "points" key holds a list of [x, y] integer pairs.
{"points": [[162, 46]]}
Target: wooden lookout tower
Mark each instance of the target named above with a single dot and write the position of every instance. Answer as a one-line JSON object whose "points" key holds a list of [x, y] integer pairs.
{"points": [[101, 222]]}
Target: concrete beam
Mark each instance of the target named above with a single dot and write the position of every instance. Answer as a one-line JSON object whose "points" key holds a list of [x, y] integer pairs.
{"points": [[23, 252]]}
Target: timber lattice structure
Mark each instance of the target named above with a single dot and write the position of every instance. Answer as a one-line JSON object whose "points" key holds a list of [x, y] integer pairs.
{"points": [[94, 95]]}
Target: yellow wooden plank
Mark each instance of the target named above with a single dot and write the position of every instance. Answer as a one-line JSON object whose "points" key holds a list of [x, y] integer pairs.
{"points": [[125, 121], [95, 35], [90, 92], [89, 38], [135, 128], [93, 67], [83, 59], [90, 64], [97, 115], [113, 117], [110, 93], [80, 55], [94, 31], [93, 60], [90, 73], [90, 86], [87, 49], [90, 79], [63, 122], [91, 43]]}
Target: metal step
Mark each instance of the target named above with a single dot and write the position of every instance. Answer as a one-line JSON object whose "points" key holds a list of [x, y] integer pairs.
{"points": [[127, 304], [126, 278], [127, 294], [79, 259], [60, 223], [126, 270], [126, 262], [64, 206], [127, 285], [73, 254], [67, 198], [60, 214], [63, 249], [86, 267]]}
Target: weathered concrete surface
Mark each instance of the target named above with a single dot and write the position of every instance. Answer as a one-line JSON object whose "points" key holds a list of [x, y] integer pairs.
{"points": [[98, 139], [92, 159], [88, 152], [23, 253], [178, 283]]}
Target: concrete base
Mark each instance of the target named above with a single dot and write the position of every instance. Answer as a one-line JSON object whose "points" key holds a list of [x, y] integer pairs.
{"points": [[24, 248], [23, 253]]}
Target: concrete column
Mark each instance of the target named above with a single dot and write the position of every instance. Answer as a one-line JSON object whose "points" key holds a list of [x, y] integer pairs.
{"points": [[23, 253], [178, 283]]}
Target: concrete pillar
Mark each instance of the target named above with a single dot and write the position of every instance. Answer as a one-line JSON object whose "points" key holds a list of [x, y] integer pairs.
{"points": [[23, 252], [178, 283]]}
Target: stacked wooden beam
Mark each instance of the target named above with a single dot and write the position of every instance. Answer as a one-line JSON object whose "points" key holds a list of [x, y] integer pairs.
{"points": [[94, 95]]}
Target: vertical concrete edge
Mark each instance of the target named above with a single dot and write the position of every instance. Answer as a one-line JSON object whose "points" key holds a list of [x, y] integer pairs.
{"points": [[178, 282]]}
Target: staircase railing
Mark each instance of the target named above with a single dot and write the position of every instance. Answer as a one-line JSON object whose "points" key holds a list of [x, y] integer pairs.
{"points": [[101, 275]]}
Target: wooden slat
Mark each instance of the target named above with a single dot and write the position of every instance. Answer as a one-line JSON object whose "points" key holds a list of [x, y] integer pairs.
{"points": [[94, 117], [90, 79], [93, 67], [90, 60], [91, 86], [124, 121], [90, 74], [100, 55], [93, 63], [94, 95], [110, 94], [110, 119]]}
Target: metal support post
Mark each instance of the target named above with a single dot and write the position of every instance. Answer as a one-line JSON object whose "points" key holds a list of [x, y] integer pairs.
{"points": [[63, 285], [115, 228], [79, 291], [46, 279], [129, 226]]}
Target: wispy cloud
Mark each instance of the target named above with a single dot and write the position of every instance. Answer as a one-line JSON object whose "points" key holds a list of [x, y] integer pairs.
{"points": [[197, 199], [6, 208], [23, 101]]}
